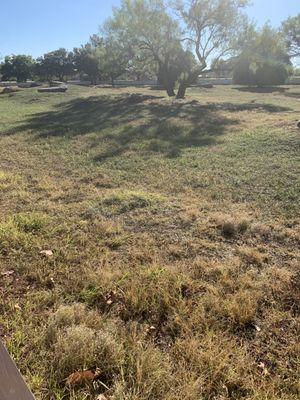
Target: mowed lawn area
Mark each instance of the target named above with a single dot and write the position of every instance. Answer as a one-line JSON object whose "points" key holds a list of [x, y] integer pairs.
{"points": [[157, 240]]}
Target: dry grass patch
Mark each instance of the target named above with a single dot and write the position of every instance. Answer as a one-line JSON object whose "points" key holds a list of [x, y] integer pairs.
{"points": [[217, 366], [252, 256], [230, 226]]}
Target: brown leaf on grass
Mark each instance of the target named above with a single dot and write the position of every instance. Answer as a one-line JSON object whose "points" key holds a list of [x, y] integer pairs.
{"points": [[257, 328], [151, 330], [80, 378], [101, 397], [47, 253], [263, 369], [112, 297]]}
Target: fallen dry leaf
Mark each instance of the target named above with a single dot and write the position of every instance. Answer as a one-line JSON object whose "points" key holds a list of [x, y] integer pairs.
{"points": [[257, 328], [80, 378], [112, 297], [101, 397], [47, 253], [263, 369], [150, 330], [17, 307]]}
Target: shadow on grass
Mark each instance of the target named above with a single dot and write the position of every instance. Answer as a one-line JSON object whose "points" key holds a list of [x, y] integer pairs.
{"points": [[257, 89], [295, 95], [149, 122]]}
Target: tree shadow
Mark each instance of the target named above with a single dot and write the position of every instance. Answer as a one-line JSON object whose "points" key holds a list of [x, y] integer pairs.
{"points": [[148, 122], [295, 95], [257, 89]]}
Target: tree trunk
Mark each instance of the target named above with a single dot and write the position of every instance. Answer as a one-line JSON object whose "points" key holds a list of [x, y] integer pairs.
{"points": [[181, 91], [170, 91]]}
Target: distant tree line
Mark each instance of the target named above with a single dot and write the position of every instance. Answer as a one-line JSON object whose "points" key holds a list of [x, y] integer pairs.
{"points": [[175, 42]]}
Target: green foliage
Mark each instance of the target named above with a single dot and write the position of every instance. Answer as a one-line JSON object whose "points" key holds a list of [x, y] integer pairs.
{"points": [[29, 222], [19, 67], [268, 74], [259, 74], [116, 58], [57, 64], [212, 28], [156, 42], [89, 59], [291, 32], [123, 201], [264, 60]]}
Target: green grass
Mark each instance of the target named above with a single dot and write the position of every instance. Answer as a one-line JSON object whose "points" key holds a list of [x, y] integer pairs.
{"points": [[175, 233]]}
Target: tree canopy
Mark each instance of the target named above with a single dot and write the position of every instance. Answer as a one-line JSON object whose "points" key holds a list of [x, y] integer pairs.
{"points": [[19, 67], [58, 63], [174, 40], [291, 31]]}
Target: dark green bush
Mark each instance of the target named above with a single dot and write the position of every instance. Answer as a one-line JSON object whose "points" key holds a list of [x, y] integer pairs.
{"points": [[260, 74]]}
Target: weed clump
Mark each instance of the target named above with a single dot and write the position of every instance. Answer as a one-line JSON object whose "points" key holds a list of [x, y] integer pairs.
{"points": [[29, 222], [232, 227], [81, 339], [80, 347], [241, 308], [11, 237], [252, 257], [124, 201], [16, 232]]}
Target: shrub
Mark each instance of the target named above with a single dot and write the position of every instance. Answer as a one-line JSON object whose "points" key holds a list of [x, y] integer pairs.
{"points": [[271, 74], [259, 74], [243, 74]]}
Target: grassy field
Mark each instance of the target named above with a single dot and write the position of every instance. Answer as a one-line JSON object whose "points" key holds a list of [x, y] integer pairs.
{"points": [[155, 239]]}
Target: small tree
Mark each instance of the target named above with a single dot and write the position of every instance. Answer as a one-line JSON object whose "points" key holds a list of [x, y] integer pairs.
{"points": [[19, 67]]}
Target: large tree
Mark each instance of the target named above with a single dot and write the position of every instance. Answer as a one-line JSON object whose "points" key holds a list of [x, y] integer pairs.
{"points": [[19, 67], [57, 63], [151, 33], [116, 60], [87, 61], [212, 28], [291, 31]]}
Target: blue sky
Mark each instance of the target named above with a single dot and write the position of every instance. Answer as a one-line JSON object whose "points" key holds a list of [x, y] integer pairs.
{"points": [[37, 26]]}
